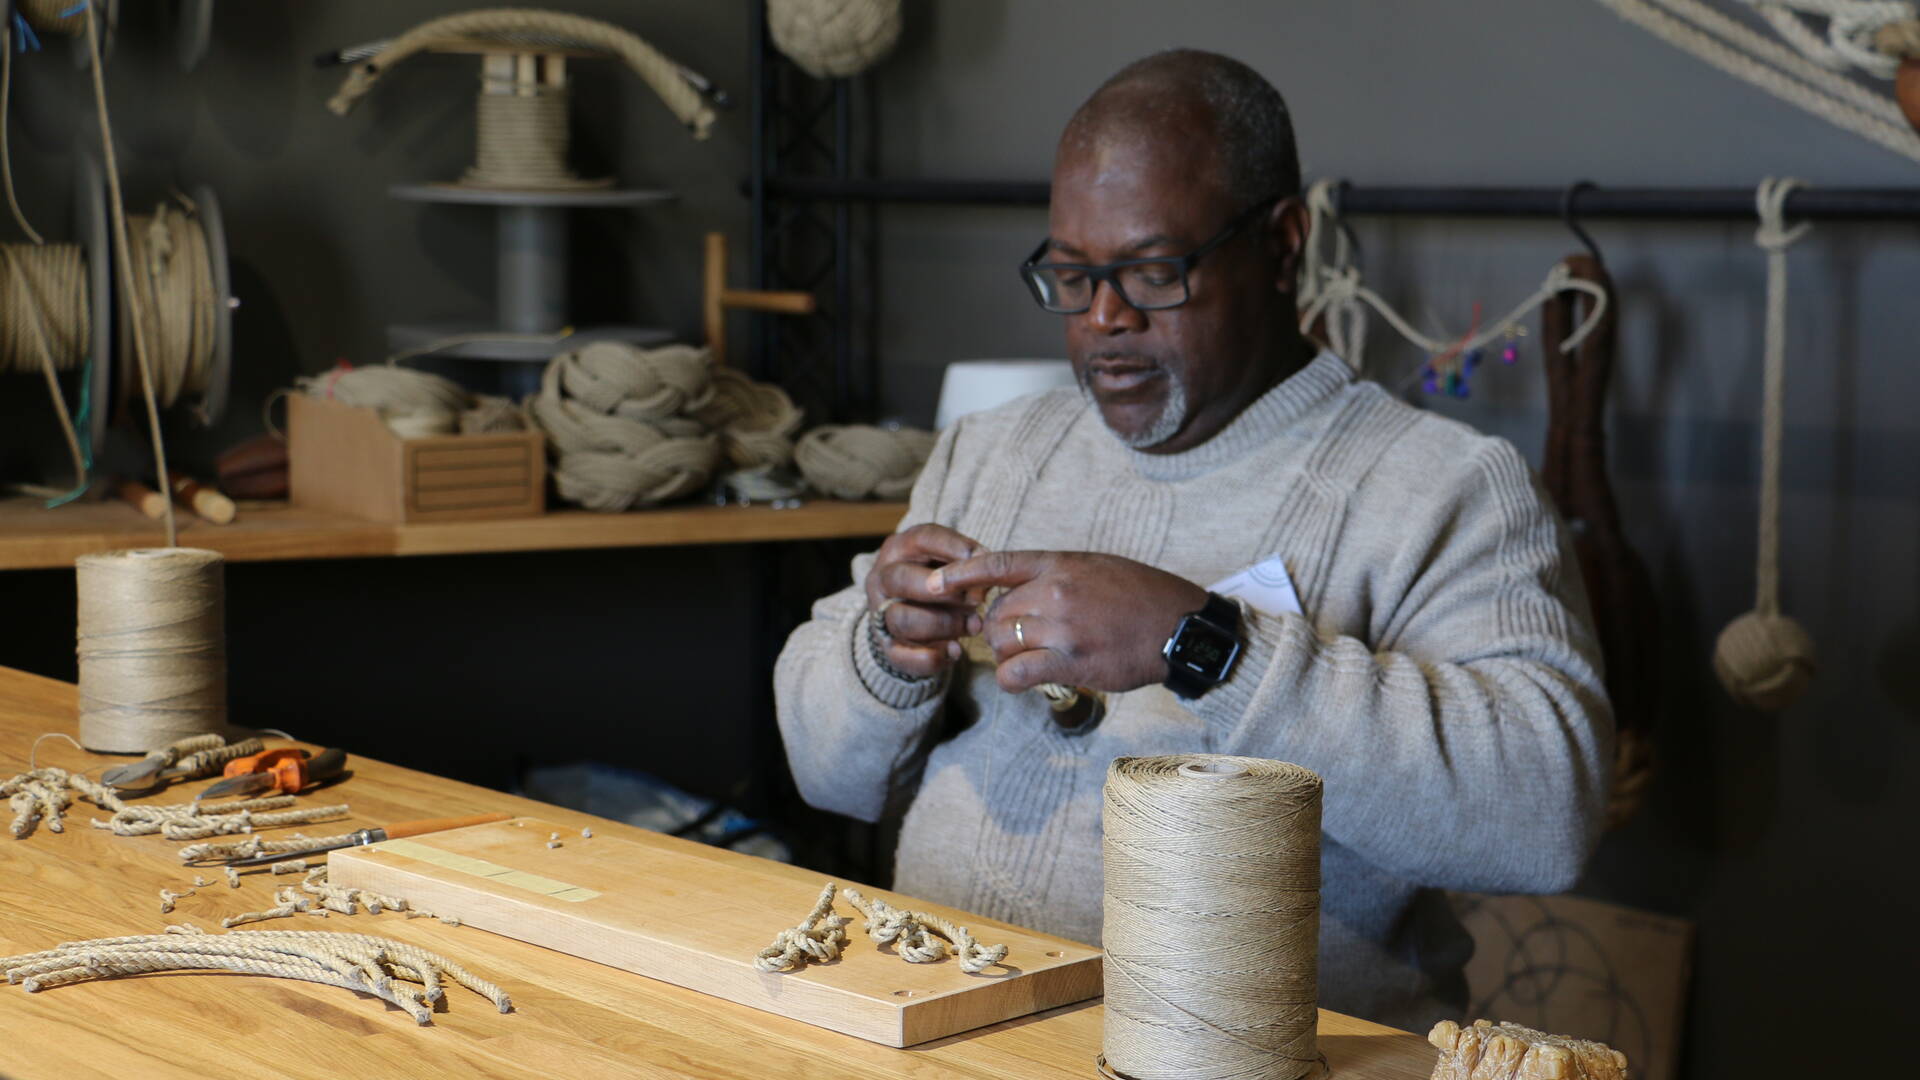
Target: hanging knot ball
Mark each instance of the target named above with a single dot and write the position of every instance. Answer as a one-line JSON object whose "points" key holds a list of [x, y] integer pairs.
{"points": [[1764, 661], [831, 39]]}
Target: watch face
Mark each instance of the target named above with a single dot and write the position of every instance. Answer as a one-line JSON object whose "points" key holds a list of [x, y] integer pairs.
{"points": [[1204, 649]]}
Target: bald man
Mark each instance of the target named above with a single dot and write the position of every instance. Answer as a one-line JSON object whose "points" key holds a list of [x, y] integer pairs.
{"points": [[1415, 633]]}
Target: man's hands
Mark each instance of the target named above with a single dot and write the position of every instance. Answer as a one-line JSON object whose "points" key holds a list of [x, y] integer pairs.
{"points": [[926, 627], [1097, 621]]}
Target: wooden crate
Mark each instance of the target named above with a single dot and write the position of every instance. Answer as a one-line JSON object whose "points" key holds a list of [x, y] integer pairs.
{"points": [[345, 460], [684, 917]]}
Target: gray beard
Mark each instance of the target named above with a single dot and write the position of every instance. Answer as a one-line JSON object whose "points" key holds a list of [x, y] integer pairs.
{"points": [[1173, 416]]}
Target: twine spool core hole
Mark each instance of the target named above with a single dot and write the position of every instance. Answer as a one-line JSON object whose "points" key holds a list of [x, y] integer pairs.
{"points": [[1213, 770]]}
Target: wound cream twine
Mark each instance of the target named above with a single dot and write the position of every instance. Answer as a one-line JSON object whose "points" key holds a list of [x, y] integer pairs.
{"points": [[152, 645], [1212, 919]]}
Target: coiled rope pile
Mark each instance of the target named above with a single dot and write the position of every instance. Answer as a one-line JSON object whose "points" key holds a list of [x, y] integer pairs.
{"points": [[624, 424], [862, 462], [413, 404], [358, 962]]}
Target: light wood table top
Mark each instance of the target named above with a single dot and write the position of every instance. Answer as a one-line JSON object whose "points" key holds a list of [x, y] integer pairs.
{"points": [[33, 537], [571, 1017]]}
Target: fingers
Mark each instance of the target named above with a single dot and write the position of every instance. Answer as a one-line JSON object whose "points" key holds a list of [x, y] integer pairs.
{"points": [[1023, 671], [1008, 568], [911, 622], [909, 581], [934, 545], [922, 660]]}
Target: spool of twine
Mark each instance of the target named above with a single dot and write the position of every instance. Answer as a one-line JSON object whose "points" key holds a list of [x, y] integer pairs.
{"points": [[1212, 919], [152, 645], [521, 142]]}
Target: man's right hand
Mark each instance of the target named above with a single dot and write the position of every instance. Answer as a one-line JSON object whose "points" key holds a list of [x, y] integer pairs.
{"points": [[925, 628]]}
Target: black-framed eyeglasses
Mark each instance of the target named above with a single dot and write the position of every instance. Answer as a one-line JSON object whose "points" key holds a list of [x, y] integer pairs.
{"points": [[1152, 284]]}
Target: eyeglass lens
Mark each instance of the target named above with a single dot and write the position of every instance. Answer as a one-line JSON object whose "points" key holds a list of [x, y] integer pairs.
{"points": [[1146, 285]]}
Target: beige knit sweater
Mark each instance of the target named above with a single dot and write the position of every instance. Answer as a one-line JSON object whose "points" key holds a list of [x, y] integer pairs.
{"points": [[1444, 680]]}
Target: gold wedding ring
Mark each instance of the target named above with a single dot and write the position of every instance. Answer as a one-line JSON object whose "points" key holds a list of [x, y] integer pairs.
{"points": [[880, 614], [1019, 634]]}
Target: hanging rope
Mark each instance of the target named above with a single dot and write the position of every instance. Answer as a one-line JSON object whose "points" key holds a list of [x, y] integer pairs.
{"points": [[1855, 31], [1750, 55], [1346, 317], [1764, 658]]}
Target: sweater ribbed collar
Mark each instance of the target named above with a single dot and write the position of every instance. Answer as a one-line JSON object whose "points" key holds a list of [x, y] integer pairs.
{"points": [[1269, 415]]}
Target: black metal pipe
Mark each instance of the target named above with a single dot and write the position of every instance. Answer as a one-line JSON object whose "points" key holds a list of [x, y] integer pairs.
{"points": [[1729, 204]]}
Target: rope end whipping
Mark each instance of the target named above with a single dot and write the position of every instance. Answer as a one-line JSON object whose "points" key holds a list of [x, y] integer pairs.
{"points": [[354, 87]]}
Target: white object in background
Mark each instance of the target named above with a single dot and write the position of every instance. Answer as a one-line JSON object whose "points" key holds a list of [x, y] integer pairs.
{"points": [[973, 385], [1265, 586]]}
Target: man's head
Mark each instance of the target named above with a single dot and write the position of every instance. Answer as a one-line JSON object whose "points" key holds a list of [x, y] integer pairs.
{"points": [[1163, 158]]}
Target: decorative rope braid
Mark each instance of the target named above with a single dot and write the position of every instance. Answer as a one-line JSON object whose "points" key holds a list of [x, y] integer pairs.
{"points": [[756, 420], [917, 935], [861, 462], [819, 937], [255, 845], [357, 962], [194, 821], [623, 424]]}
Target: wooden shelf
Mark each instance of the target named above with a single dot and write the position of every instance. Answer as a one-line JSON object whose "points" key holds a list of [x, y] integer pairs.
{"points": [[33, 537]]}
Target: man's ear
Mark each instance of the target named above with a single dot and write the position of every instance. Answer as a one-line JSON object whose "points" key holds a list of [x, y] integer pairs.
{"points": [[1284, 231]]}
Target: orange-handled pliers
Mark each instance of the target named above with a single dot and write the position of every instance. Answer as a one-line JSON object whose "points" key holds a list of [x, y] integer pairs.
{"points": [[289, 770]]}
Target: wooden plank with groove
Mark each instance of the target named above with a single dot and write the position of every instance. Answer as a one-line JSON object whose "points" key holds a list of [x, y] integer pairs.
{"points": [[571, 1016]]}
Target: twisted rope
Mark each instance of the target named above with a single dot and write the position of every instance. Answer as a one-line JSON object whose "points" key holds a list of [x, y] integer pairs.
{"points": [[653, 68], [819, 938], [357, 962], [922, 938], [619, 421], [861, 462]]}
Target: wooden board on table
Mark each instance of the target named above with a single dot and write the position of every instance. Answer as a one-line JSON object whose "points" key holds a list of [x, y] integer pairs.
{"points": [[682, 919]]}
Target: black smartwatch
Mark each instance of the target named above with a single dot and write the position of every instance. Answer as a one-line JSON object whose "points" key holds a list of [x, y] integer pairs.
{"points": [[1203, 648]]}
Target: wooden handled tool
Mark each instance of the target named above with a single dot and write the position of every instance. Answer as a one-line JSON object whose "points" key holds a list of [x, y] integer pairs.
{"points": [[204, 501], [375, 836], [141, 498]]}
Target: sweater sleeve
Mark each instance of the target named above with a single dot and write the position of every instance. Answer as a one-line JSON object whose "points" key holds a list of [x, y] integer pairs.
{"points": [[856, 737], [1468, 747]]}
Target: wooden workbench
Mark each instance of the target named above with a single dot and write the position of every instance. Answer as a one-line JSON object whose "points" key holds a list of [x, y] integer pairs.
{"points": [[33, 537], [571, 1017]]}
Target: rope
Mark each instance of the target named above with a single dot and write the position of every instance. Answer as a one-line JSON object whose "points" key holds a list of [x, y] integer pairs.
{"points": [[1332, 287], [1853, 31], [44, 325], [1773, 237], [173, 283], [623, 424], [358, 962], [756, 420], [6, 161], [1764, 658], [521, 142], [1747, 54], [861, 462], [832, 39], [413, 404], [654, 69], [1346, 323], [819, 937], [922, 938]]}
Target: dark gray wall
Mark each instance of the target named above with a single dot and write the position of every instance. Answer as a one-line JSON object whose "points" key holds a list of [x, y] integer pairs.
{"points": [[1787, 837]]}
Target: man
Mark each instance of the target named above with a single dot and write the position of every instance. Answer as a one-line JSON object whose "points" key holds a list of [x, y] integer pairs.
{"points": [[1438, 671]]}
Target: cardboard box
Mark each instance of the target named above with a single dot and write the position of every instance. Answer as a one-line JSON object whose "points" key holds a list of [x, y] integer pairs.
{"points": [[345, 460]]}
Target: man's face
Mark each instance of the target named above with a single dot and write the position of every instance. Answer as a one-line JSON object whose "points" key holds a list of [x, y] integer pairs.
{"points": [[1122, 195]]}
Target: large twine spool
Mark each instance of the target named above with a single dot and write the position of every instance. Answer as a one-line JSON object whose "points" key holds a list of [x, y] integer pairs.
{"points": [[153, 648], [1212, 919]]}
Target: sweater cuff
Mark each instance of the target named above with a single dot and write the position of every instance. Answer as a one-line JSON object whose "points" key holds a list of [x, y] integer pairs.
{"points": [[887, 688], [1227, 703]]}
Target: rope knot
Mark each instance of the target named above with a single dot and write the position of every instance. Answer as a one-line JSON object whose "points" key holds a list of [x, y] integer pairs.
{"points": [[1770, 201]]}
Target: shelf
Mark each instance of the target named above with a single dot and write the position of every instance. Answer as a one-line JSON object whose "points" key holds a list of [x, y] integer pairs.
{"points": [[480, 196], [33, 537]]}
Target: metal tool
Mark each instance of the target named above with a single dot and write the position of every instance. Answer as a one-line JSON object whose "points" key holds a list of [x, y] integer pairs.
{"points": [[287, 770], [159, 766], [374, 836]]}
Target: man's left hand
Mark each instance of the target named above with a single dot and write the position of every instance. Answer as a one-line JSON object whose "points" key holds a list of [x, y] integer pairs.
{"points": [[1075, 618]]}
